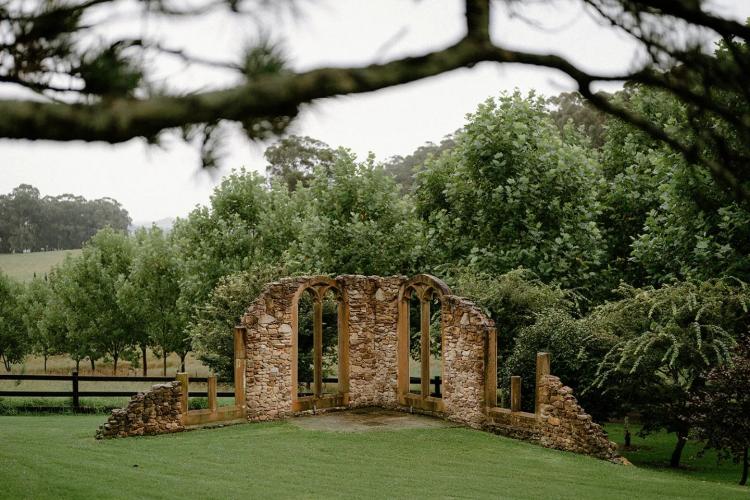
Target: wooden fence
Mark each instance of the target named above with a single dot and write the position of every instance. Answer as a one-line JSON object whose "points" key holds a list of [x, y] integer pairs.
{"points": [[75, 393]]}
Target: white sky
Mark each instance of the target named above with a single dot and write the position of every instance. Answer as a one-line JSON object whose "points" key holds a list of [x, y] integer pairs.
{"points": [[157, 182]]}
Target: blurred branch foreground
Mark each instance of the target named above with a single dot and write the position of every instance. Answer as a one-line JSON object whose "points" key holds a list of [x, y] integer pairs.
{"points": [[102, 94]]}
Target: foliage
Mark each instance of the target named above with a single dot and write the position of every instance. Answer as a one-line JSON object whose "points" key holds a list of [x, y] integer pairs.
{"points": [[575, 352], [245, 225], [14, 343], [150, 293], [666, 219], [512, 193], [29, 222], [719, 412], [212, 326], [404, 169], [356, 221], [85, 290], [571, 107], [294, 159], [668, 339], [44, 338]]}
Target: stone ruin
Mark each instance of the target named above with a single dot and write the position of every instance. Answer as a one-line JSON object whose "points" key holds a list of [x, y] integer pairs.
{"points": [[374, 342], [158, 411]]}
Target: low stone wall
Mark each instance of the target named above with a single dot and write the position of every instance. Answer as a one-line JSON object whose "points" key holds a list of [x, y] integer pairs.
{"points": [[157, 411], [561, 423]]}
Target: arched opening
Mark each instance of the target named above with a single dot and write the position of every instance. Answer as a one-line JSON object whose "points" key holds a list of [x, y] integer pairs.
{"points": [[305, 343], [436, 345], [319, 338], [420, 337], [415, 342], [330, 343]]}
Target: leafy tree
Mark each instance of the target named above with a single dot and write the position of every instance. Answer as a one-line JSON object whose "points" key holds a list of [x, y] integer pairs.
{"points": [[14, 344], [86, 291], [667, 340], [211, 328], [719, 412], [245, 225], [356, 221], [665, 218], [513, 192], [44, 337], [151, 292], [571, 107], [293, 160], [576, 351], [30, 222], [405, 168]]}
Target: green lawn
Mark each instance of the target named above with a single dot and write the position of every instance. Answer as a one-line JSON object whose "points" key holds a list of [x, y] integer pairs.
{"points": [[57, 456], [22, 266], [654, 452]]}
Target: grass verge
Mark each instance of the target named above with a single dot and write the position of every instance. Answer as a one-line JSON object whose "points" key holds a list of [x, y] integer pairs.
{"points": [[57, 457]]}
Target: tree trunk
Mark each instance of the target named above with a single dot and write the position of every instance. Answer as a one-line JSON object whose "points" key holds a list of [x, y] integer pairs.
{"points": [[114, 367], [164, 357], [93, 365], [677, 453], [45, 363], [182, 362], [145, 363], [743, 481], [78, 365]]}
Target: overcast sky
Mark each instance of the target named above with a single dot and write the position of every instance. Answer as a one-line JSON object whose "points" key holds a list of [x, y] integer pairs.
{"points": [[157, 182]]}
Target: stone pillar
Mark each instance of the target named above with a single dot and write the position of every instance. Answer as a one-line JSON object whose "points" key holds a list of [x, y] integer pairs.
{"points": [[542, 370]]}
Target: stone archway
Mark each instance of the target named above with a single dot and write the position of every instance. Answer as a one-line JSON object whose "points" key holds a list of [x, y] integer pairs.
{"points": [[319, 287]]}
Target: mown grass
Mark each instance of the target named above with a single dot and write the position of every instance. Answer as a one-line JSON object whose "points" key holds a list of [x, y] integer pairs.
{"points": [[654, 451], [57, 457], [23, 266]]}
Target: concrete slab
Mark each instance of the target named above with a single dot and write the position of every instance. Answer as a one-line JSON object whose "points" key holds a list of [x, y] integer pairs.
{"points": [[367, 419]]}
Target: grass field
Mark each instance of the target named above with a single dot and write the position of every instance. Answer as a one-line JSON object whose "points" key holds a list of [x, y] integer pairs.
{"points": [[57, 457], [22, 266]]}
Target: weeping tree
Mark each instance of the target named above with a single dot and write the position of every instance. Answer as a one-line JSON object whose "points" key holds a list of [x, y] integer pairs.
{"points": [[105, 92], [668, 340]]}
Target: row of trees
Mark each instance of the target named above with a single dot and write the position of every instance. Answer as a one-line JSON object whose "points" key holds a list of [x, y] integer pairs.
{"points": [[114, 301], [30, 222], [633, 275]]}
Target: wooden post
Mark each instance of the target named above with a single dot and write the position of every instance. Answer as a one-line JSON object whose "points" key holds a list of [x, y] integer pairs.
{"points": [[490, 382], [184, 384], [318, 346], [212, 404], [240, 376], [425, 347], [404, 377], [515, 393], [542, 369], [76, 399]]}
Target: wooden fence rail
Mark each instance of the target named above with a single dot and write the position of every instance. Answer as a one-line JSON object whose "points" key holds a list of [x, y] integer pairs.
{"points": [[76, 394]]}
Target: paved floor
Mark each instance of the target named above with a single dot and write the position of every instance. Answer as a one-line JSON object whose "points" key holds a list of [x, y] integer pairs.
{"points": [[367, 419]]}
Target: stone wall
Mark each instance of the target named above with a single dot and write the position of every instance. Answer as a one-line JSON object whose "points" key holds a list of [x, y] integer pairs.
{"points": [[268, 321], [370, 327], [465, 329], [158, 411], [561, 423]]}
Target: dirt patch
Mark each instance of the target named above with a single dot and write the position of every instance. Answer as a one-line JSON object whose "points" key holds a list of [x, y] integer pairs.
{"points": [[367, 419]]}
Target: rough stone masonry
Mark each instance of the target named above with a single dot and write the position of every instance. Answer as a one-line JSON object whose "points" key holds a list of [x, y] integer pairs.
{"points": [[373, 365], [157, 411]]}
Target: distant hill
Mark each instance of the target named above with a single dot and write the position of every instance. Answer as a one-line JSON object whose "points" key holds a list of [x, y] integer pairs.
{"points": [[22, 266], [164, 224]]}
